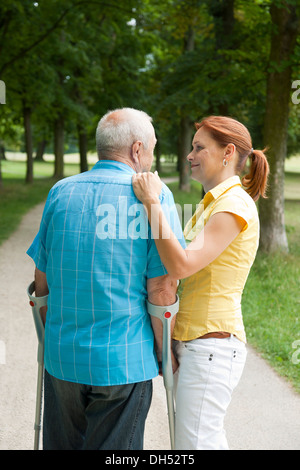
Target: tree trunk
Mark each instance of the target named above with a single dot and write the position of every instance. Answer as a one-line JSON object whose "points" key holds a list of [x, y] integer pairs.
{"points": [[41, 146], [82, 143], [2, 151], [223, 14], [185, 142], [186, 128], [158, 155], [224, 22], [2, 157], [59, 147], [28, 143], [285, 29], [1, 181]]}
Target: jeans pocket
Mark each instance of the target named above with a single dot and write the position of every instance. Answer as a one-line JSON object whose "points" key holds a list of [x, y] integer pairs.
{"points": [[198, 354], [237, 367]]}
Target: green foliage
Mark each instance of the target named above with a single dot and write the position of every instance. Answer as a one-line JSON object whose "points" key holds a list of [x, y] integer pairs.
{"points": [[76, 58], [173, 58], [81, 58]]}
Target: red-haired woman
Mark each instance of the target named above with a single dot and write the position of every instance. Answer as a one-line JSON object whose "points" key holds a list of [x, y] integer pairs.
{"points": [[223, 237]]}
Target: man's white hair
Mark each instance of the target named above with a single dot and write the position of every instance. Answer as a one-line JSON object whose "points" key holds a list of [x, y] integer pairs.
{"points": [[120, 128]]}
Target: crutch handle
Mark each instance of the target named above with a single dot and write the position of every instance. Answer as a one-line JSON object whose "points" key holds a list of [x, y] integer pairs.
{"points": [[165, 313], [36, 303]]}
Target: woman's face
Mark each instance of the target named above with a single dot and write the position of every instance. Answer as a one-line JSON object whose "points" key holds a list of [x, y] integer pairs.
{"points": [[206, 157]]}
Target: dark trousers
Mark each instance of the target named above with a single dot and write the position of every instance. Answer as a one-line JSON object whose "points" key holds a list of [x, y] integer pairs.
{"points": [[85, 417]]}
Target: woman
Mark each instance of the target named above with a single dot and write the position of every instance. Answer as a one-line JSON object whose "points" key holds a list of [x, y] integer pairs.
{"points": [[223, 235]]}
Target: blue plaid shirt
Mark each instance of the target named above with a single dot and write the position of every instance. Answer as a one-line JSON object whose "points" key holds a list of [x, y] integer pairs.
{"points": [[96, 248]]}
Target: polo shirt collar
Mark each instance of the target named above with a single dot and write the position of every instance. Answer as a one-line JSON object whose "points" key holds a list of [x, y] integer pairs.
{"points": [[220, 189], [196, 223], [113, 165]]}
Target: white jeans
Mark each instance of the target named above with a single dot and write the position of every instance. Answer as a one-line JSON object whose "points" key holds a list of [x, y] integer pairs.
{"points": [[209, 371]]}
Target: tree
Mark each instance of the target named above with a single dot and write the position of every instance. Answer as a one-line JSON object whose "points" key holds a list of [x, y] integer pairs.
{"points": [[210, 59], [285, 29], [173, 53], [60, 37]]}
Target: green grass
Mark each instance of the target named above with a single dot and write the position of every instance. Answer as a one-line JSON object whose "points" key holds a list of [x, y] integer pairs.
{"points": [[292, 186], [17, 198], [42, 169], [271, 300]]}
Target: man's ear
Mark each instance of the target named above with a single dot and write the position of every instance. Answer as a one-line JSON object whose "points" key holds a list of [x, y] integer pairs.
{"points": [[136, 151]]}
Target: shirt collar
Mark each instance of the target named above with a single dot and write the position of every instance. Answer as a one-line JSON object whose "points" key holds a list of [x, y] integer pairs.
{"points": [[221, 188], [196, 223], [113, 165]]}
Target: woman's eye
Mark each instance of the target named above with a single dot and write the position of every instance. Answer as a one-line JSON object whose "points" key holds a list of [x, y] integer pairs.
{"points": [[198, 148]]}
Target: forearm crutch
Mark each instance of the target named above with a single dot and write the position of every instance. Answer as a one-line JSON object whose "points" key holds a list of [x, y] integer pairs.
{"points": [[36, 303], [165, 314]]}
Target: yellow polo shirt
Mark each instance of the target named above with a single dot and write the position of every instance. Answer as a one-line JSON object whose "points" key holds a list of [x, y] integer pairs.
{"points": [[211, 298]]}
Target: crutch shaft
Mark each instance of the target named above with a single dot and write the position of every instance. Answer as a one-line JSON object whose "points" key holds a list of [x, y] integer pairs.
{"points": [[36, 303], [165, 314], [171, 416], [39, 392]]}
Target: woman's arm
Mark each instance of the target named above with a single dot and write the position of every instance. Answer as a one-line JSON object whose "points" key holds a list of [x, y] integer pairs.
{"points": [[216, 236]]}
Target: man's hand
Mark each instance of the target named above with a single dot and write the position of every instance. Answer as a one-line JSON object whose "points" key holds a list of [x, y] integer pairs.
{"points": [[41, 289]]}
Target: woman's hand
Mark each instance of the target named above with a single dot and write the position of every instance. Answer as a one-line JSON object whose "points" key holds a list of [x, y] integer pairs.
{"points": [[147, 187]]}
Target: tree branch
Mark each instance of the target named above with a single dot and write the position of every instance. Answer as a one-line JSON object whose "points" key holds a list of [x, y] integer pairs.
{"points": [[27, 49], [5, 28]]}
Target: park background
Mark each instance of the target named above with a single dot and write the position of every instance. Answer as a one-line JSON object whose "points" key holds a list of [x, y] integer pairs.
{"points": [[66, 63]]}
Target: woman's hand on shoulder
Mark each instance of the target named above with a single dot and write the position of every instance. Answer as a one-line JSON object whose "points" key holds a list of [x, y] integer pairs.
{"points": [[147, 187]]}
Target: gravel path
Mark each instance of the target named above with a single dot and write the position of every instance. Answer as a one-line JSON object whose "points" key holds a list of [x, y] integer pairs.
{"points": [[264, 414]]}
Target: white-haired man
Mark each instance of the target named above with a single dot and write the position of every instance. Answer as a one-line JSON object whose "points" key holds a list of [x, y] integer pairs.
{"points": [[96, 257]]}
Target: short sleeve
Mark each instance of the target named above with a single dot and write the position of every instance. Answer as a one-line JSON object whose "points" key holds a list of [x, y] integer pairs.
{"points": [[234, 205], [37, 250], [155, 266]]}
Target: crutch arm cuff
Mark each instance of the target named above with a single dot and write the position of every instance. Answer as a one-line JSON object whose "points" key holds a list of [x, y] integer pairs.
{"points": [[163, 311]]}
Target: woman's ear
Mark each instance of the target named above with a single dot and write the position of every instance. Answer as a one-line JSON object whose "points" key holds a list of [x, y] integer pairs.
{"points": [[229, 151]]}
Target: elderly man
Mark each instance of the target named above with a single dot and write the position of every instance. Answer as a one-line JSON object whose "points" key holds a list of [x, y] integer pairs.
{"points": [[96, 256]]}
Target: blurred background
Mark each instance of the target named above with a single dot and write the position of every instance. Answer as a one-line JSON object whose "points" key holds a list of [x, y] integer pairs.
{"points": [[66, 63]]}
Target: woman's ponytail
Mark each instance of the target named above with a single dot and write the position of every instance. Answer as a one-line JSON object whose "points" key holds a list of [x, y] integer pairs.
{"points": [[255, 182]]}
